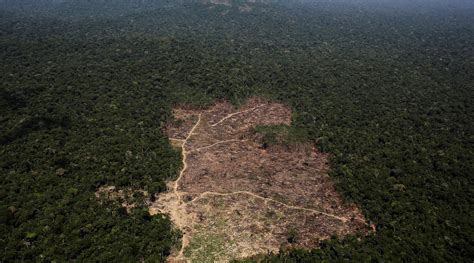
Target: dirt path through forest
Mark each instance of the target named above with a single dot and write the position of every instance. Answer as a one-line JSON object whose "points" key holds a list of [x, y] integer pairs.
{"points": [[175, 207]]}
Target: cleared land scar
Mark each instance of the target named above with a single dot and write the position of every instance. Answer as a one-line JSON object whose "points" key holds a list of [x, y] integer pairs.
{"points": [[234, 198]]}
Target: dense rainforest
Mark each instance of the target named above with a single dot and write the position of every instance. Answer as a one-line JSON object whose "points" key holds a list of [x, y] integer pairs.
{"points": [[385, 87]]}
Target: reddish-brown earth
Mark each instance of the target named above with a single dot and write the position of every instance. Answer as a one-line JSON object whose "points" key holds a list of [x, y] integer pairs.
{"points": [[234, 199]]}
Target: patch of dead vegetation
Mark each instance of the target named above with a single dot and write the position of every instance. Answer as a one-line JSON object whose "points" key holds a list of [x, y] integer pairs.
{"points": [[126, 197], [218, 2], [245, 8], [234, 198]]}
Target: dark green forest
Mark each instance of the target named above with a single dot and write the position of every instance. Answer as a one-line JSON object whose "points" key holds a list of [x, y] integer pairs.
{"points": [[385, 87]]}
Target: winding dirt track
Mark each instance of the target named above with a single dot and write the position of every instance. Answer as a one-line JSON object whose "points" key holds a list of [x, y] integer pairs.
{"points": [[176, 206], [343, 219], [201, 210]]}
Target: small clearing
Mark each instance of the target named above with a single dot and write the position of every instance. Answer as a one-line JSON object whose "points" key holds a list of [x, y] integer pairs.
{"points": [[234, 198]]}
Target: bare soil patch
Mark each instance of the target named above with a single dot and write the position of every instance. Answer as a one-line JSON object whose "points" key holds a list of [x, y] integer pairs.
{"points": [[235, 199]]}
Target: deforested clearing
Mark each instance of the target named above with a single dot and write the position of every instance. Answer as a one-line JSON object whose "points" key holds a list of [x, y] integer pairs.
{"points": [[235, 197]]}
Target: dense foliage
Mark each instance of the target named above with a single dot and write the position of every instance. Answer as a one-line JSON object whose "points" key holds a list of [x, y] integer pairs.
{"points": [[86, 87]]}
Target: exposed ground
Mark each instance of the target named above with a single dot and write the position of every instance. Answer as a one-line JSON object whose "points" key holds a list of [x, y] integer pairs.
{"points": [[235, 199]]}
